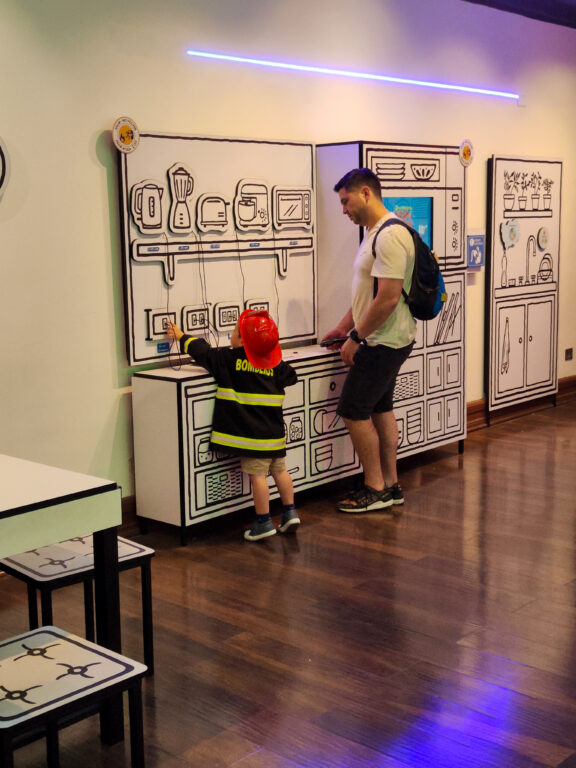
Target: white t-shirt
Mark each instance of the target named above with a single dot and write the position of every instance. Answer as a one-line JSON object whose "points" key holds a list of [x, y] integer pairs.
{"points": [[394, 259]]}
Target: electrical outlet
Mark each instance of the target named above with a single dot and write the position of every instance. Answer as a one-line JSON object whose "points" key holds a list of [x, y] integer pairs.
{"points": [[568, 353]]}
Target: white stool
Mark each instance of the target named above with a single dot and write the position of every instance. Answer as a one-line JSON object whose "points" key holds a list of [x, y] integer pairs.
{"points": [[71, 562], [50, 678]]}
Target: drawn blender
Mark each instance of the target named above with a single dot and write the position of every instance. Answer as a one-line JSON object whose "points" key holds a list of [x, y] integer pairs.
{"points": [[182, 186]]}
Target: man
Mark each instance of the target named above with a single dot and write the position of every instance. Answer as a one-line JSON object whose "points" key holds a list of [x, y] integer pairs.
{"points": [[381, 333]]}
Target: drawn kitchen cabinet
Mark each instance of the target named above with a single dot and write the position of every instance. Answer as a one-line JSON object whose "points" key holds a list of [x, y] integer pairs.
{"points": [[444, 415], [429, 401], [426, 187], [523, 279], [444, 369], [180, 480], [199, 248], [526, 345]]}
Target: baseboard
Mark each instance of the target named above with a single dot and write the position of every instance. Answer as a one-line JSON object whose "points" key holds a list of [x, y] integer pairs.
{"points": [[477, 414], [567, 387]]}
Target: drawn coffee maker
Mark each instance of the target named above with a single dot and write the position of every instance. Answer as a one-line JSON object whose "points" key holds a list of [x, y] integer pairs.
{"points": [[146, 205]]}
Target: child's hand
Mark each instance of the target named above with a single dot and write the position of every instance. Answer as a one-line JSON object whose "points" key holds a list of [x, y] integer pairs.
{"points": [[173, 332]]}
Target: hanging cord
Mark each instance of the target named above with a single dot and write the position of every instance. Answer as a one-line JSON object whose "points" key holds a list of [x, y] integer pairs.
{"points": [[174, 351], [276, 271], [241, 268], [211, 331]]}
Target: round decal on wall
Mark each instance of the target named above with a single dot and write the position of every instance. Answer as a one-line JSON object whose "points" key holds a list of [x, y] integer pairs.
{"points": [[509, 233], [3, 166], [543, 238], [466, 153], [125, 134]]}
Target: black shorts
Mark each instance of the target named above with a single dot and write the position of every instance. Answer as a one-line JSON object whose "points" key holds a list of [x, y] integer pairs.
{"points": [[369, 386]]}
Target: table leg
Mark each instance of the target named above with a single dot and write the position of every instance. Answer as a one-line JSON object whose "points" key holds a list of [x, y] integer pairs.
{"points": [[108, 634]]}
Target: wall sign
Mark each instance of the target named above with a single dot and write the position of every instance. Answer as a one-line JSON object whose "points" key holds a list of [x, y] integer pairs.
{"points": [[125, 135], [475, 248], [466, 153]]}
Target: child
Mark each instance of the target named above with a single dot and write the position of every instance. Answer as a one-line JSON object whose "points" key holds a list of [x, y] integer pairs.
{"points": [[248, 420]]}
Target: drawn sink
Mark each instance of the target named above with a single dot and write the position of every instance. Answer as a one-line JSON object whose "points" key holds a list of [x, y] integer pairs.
{"points": [[423, 171]]}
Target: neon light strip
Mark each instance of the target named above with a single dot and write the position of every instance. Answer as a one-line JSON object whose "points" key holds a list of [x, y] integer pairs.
{"points": [[348, 73]]}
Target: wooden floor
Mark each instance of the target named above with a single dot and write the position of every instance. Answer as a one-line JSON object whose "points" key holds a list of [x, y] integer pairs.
{"points": [[444, 638]]}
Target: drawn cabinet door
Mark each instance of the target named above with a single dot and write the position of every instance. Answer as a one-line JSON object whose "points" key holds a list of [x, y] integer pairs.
{"points": [[526, 344], [511, 347], [539, 350]]}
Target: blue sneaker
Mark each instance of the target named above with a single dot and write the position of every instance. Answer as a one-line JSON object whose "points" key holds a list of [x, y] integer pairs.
{"points": [[290, 521], [260, 531]]}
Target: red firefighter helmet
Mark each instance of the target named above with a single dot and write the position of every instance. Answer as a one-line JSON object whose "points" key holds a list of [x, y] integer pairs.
{"points": [[259, 336]]}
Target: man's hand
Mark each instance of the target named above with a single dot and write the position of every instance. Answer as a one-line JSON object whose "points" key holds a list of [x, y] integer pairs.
{"points": [[334, 339], [348, 351]]}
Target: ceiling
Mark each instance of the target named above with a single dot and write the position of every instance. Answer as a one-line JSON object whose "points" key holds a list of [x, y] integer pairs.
{"points": [[561, 12]]}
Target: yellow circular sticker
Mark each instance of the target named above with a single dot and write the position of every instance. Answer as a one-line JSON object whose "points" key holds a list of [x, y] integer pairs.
{"points": [[125, 134], [466, 152]]}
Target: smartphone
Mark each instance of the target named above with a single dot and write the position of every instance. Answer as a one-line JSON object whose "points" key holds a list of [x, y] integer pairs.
{"points": [[330, 342]]}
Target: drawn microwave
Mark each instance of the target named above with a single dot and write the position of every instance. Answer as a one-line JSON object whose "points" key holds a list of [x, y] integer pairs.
{"points": [[292, 207]]}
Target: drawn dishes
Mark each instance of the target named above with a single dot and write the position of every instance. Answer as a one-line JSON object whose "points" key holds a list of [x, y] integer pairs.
{"points": [[423, 171]]}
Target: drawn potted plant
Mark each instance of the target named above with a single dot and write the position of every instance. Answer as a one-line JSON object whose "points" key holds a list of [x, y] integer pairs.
{"points": [[511, 179], [535, 183], [525, 183], [547, 196]]}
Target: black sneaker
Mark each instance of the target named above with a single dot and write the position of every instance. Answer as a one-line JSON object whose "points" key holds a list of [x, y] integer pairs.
{"points": [[366, 499], [260, 531], [290, 521], [397, 495]]}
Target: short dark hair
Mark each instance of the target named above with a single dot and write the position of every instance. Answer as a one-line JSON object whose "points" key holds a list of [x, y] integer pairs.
{"points": [[360, 177]]}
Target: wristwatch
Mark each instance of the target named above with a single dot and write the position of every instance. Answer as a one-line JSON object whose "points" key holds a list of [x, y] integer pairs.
{"points": [[354, 336]]}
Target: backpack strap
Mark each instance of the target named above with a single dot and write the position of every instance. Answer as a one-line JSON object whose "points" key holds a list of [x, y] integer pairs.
{"points": [[388, 223]]}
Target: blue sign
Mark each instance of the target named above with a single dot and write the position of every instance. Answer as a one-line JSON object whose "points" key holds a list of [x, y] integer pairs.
{"points": [[416, 211], [475, 247], [164, 346]]}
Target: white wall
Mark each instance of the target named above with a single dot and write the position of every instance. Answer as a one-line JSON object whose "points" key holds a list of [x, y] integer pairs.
{"points": [[69, 69]]}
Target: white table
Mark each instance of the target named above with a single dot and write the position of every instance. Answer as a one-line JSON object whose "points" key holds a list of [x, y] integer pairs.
{"points": [[41, 505]]}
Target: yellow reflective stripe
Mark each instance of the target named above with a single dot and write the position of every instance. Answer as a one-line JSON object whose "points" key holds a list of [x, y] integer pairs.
{"points": [[249, 398], [187, 342], [235, 441]]}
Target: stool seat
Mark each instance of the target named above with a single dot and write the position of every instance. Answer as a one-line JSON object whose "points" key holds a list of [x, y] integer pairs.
{"points": [[70, 558], [70, 562], [49, 677]]}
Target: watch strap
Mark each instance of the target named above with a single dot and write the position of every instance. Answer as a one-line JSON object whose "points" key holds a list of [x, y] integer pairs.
{"points": [[355, 337]]}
